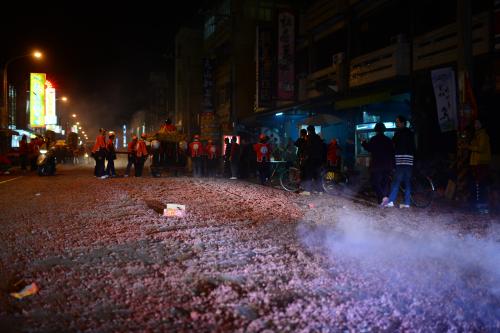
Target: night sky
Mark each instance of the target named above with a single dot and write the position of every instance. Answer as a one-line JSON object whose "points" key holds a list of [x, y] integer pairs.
{"points": [[100, 57]]}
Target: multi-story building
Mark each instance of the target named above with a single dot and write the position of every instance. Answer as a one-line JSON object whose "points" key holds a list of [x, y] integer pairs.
{"points": [[188, 80], [276, 66]]}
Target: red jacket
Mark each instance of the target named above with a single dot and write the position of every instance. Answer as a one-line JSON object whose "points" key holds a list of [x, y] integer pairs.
{"points": [[263, 151], [212, 151], [195, 149], [131, 147], [332, 155], [100, 143], [141, 149]]}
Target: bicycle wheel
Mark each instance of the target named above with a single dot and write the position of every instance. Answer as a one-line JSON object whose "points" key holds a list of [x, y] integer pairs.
{"points": [[333, 181], [422, 191], [290, 179]]}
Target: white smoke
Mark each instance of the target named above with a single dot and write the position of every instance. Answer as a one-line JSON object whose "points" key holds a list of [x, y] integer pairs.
{"points": [[428, 261]]}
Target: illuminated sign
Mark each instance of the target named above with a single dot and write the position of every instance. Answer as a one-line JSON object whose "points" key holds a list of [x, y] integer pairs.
{"points": [[50, 106], [37, 99]]}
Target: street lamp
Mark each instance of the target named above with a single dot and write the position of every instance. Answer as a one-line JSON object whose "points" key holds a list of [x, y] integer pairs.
{"points": [[5, 112]]}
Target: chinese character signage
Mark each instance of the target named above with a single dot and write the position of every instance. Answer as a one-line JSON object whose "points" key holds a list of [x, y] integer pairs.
{"points": [[444, 84], [37, 99], [50, 106], [286, 51], [208, 87], [264, 68]]}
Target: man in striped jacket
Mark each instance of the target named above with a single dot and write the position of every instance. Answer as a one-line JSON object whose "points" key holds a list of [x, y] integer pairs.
{"points": [[404, 149]]}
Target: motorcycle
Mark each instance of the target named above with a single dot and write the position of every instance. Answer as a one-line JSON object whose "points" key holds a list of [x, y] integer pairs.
{"points": [[46, 162]]}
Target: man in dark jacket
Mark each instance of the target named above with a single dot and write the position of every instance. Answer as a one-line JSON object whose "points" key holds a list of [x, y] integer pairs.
{"points": [[382, 161], [404, 149], [314, 153]]}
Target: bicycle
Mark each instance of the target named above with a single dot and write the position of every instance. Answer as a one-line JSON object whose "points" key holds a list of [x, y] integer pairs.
{"points": [[422, 186]]}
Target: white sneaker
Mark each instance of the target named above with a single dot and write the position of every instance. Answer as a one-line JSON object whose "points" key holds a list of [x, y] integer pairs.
{"points": [[233, 178], [404, 206], [390, 204], [305, 193], [125, 176], [104, 177]]}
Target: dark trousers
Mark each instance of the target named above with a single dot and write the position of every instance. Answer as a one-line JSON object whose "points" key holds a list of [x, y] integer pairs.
{"points": [[264, 169], [110, 167], [211, 167], [197, 166], [227, 168], [99, 166], [130, 163], [139, 166], [24, 161], [380, 183], [234, 168], [312, 175]]}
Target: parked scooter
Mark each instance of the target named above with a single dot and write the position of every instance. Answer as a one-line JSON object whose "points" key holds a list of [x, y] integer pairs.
{"points": [[46, 162]]}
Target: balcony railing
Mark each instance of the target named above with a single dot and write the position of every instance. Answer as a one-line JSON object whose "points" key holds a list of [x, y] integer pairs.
{"points": [[379, 65], [308, 86], [441, 45]]}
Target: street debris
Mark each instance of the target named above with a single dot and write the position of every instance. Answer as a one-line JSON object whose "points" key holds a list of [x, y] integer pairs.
{"points": [[175, 210], [26, 291]]}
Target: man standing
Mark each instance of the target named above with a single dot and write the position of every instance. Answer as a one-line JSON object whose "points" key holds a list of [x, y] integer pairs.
{"points": [[212, 157], [141, 154], [227, 158], [23, 152], [235, 157], [382, 161], [263, 152], [314, 153], [404, 149], [111, 155], [196, 151], [131, 154], [99, 153]]}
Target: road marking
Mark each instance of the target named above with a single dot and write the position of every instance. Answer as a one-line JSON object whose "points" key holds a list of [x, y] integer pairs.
{"points": [[8, 180]]}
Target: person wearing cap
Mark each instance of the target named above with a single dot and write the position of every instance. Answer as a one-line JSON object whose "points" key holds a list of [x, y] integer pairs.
{"points": [[131, 155], [381, 150], [111, 155], [263, 152], [195, 152], [99, 153], [141, 154], [212, 153]]}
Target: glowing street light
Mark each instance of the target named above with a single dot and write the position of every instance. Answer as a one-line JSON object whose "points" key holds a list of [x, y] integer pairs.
{"points": [[5, 112], [73, 115]]}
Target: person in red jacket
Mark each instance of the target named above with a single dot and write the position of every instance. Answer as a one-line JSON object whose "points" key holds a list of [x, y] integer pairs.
{"points": [[131, 155], [111, 155], [196, 151], [141, 154], [99, 152], [333, 154], [34, 151], [23, 152], [213, 154], [263, 151]]}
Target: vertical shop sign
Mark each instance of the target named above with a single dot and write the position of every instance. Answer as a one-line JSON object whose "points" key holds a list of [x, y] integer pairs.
{"points": [[208, 87], [264, 68], [37, 99], [286, 51], [443, 81]]}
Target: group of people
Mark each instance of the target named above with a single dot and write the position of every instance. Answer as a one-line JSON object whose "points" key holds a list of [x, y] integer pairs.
{"points": [[29, 151], [104, 150]]}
